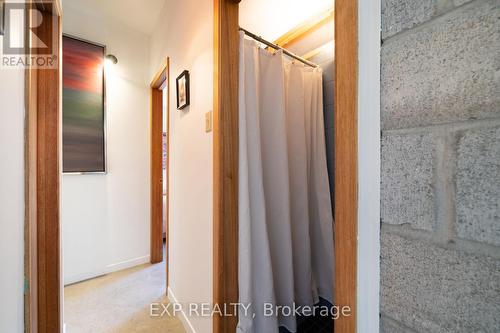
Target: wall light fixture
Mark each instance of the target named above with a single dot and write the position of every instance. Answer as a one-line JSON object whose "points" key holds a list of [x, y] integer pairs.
{"points": [[112, 59]]}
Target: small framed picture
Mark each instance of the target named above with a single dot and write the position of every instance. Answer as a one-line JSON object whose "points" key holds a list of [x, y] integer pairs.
{"points": [[182, 83]]}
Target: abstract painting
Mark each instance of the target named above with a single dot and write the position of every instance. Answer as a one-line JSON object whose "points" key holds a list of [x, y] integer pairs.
{"points": [[83, 107]]}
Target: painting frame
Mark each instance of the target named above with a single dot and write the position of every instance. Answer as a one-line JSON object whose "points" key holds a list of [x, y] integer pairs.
{"points": [[182, 89], [104, 169], [2, 17]]}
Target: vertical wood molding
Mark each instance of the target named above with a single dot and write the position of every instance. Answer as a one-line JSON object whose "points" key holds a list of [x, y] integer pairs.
{"points": [[167, 208], [156, 176], [42, 197], [160, 81], [226, 41], [30, 194], [346, 152], [42, 308]]}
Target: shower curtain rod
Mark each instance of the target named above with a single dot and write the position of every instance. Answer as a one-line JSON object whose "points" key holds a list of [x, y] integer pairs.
{"points": [[277, 47]]}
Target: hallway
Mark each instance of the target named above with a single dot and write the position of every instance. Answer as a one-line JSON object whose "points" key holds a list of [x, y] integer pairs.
{"points": [[119, 303]]}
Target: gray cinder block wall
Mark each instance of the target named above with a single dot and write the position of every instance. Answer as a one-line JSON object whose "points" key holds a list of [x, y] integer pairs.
{"points": [[440, 96]]}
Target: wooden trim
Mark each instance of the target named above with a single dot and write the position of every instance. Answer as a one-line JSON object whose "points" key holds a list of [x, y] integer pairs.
{"points": [[156, 177], [53, 7], [305, 28], [160, 80], [312, 53], [30, 209], [161, 76], [42, 185], [166, 85], [48, 230], [346, 159], [30, 193], [226, 46], [317, 50]]}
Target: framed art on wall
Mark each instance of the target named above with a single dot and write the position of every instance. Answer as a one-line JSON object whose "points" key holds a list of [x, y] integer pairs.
{"points": [[84, 138], [182, 84]]}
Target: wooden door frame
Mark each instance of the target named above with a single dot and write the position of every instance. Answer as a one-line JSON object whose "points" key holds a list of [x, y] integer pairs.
{"points": [[346, 161], [225, 161], [160, 81], [42, 258], [226, 40]]}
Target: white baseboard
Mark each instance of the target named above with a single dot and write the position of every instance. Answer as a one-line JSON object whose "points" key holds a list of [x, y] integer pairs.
{"points": [[127, 264], [84, 276], [184, 319], [109, 269]]}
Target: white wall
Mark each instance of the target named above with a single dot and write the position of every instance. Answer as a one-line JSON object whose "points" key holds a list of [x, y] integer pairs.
{"points": [[368, 280], [185, 35], [106, 218], [11, 199]]}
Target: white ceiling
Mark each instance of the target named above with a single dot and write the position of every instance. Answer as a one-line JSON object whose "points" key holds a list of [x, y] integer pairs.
{"points": [[273, 18], [140, 15]]}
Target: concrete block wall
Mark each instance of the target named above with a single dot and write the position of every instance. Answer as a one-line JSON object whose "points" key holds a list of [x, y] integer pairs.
{"points": [[440, 205]]}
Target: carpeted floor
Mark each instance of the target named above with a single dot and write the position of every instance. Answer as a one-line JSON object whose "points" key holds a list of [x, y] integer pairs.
{"points": [[119, 303]]}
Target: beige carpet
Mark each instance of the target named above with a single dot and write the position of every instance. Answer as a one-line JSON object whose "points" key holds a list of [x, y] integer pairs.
{"points": [[119, 302]]}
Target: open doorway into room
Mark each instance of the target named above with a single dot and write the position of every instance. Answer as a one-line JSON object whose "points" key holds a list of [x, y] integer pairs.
{"points": [[160, 113], [340, 121], [295, 62], [104, 210], [93, 298], [95, 251]]}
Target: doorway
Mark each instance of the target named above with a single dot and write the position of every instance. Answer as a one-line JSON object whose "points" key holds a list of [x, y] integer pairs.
{"points": [[226, 131], [43, 231], [160, 113]]}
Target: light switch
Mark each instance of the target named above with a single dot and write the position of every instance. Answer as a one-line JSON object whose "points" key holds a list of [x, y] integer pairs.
{"points": [[208, 121]]}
